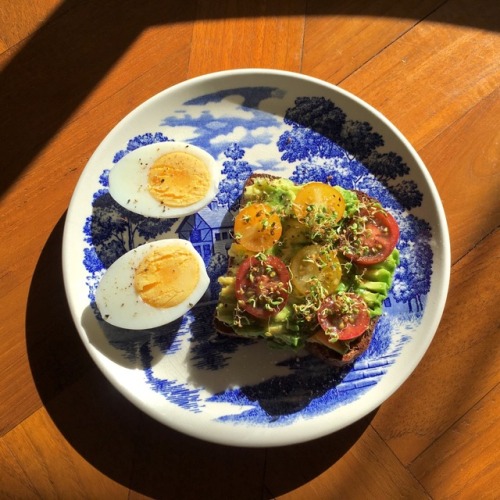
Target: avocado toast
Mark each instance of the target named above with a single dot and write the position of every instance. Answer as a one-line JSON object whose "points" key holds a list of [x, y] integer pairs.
{"points": [[309, 267]]}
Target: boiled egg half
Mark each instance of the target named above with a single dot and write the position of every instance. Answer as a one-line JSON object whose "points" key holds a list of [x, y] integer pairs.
{"points": [[165, 180], [152, 285]]}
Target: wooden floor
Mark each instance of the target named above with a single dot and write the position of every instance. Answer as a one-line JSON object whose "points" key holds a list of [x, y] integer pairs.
{"points": [[71, 70]]}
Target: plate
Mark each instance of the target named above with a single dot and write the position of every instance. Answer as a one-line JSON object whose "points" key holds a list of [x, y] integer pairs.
{"points": [[242, 393]]}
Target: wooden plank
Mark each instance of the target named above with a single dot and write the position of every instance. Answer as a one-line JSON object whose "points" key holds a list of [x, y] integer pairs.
{"points": [[52, 356], [421, 66], [461, 365], [40, 341], [14, 483], [464, 162], [465, 461], [172, 465], [320, 469], [230, 35], [18, 395], [341, 37], [21, 18], [55, 468]]}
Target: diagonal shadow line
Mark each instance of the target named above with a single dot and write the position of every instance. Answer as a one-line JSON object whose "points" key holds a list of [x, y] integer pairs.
{"points": [[60, 65], [64, 60]]}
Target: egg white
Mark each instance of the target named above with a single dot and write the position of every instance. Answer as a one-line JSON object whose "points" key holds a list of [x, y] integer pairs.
{"points": [[119, 303], [128, 180]]}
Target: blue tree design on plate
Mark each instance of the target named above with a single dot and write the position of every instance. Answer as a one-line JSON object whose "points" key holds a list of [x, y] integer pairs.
{"points": [[412, 279], [235, 171]]}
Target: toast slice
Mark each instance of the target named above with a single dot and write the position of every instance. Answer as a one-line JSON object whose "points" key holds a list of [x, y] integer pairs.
{"points": [[334, 358]]}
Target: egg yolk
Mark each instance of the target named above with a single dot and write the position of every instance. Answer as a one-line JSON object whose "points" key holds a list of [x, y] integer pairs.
{"points": [[178, 179], [166, 276]]}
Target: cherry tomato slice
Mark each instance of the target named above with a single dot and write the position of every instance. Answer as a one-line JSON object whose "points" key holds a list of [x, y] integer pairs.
{"points": [[314, 263], [343, 316], [318, 200], [262, 286], [377, 240], [257, 227]]}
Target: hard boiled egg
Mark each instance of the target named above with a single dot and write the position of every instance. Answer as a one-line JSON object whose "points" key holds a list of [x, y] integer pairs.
{"points": [[165, 180], [152, 285]]}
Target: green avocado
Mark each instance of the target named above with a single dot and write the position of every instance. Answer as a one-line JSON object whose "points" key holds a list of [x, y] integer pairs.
{"points": [[373, 283], [278, 193]]}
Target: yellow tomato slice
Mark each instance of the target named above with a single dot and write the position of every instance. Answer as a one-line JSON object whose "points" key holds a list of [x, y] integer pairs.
{"points": [[257, 227], [315, 265], [316, 201]]}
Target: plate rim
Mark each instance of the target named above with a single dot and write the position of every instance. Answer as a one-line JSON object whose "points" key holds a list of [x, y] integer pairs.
{"points": [[443, 237]]}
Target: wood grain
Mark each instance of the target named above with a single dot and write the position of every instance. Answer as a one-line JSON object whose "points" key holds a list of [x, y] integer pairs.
{"points": [[330, 468], [472, 213], [14, 481], [71, 70], [460, 367], [474, 438], [329, 48], [240, 35], [59, 470], [21, 18], [431, 48]]}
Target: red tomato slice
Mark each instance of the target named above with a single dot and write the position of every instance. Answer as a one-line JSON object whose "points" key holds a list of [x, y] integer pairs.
{"points": [[377, 240], [262, 286], [344, 316]]}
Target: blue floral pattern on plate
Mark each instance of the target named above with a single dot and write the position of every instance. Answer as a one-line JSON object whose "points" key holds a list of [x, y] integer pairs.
{"points": [[313, 139]]}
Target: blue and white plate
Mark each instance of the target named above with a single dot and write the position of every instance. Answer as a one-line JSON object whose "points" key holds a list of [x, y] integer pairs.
{"points": [[240, 392]]}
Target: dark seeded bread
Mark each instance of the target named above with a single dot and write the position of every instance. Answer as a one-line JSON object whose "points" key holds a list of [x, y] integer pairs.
{"points": [[358, 346], [223, 328]]}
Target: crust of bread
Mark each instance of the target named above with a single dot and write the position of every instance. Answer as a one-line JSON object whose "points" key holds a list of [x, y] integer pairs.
{"points": [[223, 328], [333, 358]]}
